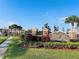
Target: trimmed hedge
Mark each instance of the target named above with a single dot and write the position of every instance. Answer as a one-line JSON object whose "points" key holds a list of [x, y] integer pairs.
{"points": [[54, 45], [74, 46]]}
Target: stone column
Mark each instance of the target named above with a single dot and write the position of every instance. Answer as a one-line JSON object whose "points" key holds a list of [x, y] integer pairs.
{"points": [[34, 31], [73, 34], [45, 31]]}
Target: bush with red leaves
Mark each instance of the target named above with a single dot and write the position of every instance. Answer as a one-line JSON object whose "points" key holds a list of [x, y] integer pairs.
{"points": [[45, 38], [31, 37]]}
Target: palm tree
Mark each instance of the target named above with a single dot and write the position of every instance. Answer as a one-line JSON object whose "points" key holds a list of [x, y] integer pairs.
{"points": [[72, 20], [77, 22], [48, 27]]}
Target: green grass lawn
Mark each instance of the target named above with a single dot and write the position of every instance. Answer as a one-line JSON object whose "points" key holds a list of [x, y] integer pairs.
{"points": [[15, 52], [3, 38], [40, 53]]}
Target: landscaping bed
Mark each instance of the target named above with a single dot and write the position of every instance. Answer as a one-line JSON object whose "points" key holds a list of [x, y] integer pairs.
{"points": [[40, 50], [54, 45], [3, 38]]}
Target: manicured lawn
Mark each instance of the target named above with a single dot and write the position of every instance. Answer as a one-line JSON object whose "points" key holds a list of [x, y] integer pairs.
{"points": [[15, 52], [3, 38]]}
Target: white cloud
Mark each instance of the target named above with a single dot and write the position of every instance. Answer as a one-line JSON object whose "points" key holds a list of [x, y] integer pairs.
{"points": [[5, 24], [63, 18], [11, 22]]}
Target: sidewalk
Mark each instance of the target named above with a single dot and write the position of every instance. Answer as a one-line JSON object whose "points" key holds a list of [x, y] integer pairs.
{"points": [[4, 46]]}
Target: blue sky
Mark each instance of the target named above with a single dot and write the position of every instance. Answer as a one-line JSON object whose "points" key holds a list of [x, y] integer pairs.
{"points": [[35, 13]]}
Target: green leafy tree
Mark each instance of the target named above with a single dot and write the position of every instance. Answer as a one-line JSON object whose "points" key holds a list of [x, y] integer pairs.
{"points": [[40, 32], [29, 31], [77, 21], [48, 27], [71, 19], [77, 24], [63, 29], [68, 31], [56, 28], [15, 26]]}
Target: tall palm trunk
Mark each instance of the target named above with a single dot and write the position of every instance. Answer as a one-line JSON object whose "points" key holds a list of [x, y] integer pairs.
{"points": [[77, 24], [72, 25]]}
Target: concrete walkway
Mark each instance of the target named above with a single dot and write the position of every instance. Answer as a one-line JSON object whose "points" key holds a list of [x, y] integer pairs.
{"points": [[4, 46]]}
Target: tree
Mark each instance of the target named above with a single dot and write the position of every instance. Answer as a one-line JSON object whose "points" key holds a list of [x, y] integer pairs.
{"points": [[56, 28], [47, 26], [15, 26], [40, 32], [77, 21], [29, 31], [77, 24], [68, 31], [71, 19], [63, 29]]}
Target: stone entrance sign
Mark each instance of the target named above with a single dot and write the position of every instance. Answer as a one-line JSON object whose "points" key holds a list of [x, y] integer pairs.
{"points": [[45, 31], [34, 31], [59, 36], [73, 34]]}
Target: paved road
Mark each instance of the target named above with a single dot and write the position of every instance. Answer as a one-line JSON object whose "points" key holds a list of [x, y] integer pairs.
{"points": [[4, 46]]}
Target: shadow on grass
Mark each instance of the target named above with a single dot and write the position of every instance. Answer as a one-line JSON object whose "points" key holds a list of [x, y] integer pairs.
{"points": [[15, 51]]}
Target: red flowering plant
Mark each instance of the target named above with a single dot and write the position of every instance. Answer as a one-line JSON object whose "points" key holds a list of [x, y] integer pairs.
{"points": [[45, 38]]}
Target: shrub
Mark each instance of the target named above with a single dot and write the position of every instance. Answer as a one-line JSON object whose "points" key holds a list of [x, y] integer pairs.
{"points": [[45, 38], [54, 46], [35, 38], [3, 38], [45, 45], [40, 44], [73, 46], [22, 37], [34, 45], [29, 37], [49, 46], [60, 46], [74, 40], [65, 46]]}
